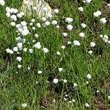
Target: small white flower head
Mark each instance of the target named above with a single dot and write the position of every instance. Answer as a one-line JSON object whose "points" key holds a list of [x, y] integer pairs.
{"points": [[32, 20], [23, 23], [69, 102], [69, 42], [31, 24], [65, 81], [60, 69], [76, 43], [56, 11], [68, 20], [88, 1], [43, 19], [58, 53], [54, 100], [38, 25], [36, 82], [9, 51], [12, 23], [33, 40], [25, 49], [15, 49], [37, 45], [45, 50], [7, 9], [2, 2], [109, 41], [83, 25], [28, 68], [90, 52], [47, 23], [57, 26], [65, 99], [22, 13], [92, 44], [55, 81], [63, 47], [81, 34], [87, 82], [75, 85], [86, 104], [31, 50], [108, 5], [54, 22], [25, 32], [19, 59], [8, 14], [33, 28], [97, 13], [64, 34], [45, 9], [49, 16], [103, 20], [39, 72], [25, 2], [35, 8], [80, 8], [19, 45], [24, 105], [13, 17], [97, 91], [36, 35], [101, 36], [19, 15], [19, 66], [69, 27], [73, 100], [88, 76], [66, 95]]}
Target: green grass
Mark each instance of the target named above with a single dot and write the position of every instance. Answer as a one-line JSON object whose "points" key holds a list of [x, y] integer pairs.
{"points": [[21, 87]]}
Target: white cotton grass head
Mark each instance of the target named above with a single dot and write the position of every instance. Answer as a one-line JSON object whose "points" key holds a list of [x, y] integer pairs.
{"points": [[76, 43], [87, 82], [63, 47], [80, 8], [56, 11], [45, 9], [33, 20], [47, 23], [38, 25], [92, 44], [75, 85], [43, 19], [24, 105], [57, 26], [19, 66], [86, 104], [36, 35], [55, 81], [88, 76], [83, 25], [73, 100], [31, 50], [25, 49], [15, 49], [69, 42], [69, 27], [60, 69], [69, 20], [54, 22], [88, 1], [90, 52], [97, 13], [103, 20], [37, 45], [13, 18], [65, 81], [2, 2], [8, 14], [81, 34], [9, 51], [58, 53], [19, 59], [64, 34], [39, 72], [12, 23], [45, 50], [19, 45]]}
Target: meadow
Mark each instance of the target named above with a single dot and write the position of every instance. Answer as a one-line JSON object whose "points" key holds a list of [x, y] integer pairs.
{"points": [[60, 63]]}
